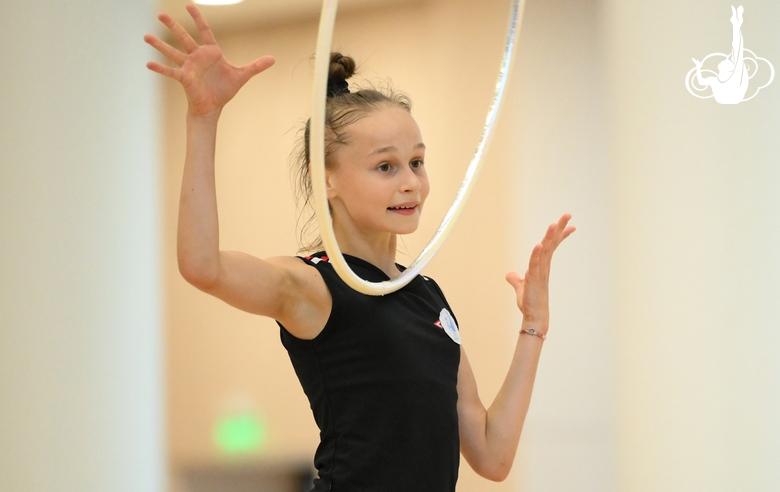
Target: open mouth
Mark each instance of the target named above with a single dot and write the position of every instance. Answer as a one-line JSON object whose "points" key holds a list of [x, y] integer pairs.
{"points": [[403, 209]]}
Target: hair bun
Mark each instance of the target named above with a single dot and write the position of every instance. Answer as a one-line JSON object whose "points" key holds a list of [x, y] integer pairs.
{"points": [[341, 67]]}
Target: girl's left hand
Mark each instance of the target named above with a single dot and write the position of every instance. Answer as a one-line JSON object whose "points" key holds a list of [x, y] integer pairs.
{"points": [[533, 289]]}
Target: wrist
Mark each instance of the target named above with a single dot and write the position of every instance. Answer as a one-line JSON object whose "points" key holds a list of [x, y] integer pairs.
{"points": [[530, 330], [540, 320], [535, 325], [209, 118]]}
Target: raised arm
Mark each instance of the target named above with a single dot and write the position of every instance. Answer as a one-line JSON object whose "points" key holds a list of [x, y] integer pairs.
{"points": [[489, 437], [281, 288]]}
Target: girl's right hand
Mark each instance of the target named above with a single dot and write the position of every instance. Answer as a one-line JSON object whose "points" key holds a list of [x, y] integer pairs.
{"points": [[209, 80]]}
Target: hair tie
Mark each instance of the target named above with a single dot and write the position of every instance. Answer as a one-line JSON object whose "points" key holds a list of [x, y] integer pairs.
{"points": [[337, 86]]}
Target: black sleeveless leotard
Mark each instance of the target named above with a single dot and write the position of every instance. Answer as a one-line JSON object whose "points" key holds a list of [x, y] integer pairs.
{"points": [[381, 379]]}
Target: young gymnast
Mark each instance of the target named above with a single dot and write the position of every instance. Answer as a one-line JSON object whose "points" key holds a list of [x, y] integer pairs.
{"points": [[390, 387]]}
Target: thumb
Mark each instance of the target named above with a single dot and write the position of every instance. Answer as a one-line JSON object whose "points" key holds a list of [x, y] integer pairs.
{"points": [[515, 280], [257, 66]]}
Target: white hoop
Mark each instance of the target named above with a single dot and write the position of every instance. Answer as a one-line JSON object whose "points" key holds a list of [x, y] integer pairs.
{"points": [[317, 156]]}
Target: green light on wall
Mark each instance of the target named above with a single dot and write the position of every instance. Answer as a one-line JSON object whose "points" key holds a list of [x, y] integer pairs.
{"points": [[240, 434]]}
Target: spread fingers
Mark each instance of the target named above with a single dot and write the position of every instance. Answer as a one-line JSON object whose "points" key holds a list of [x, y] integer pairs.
{"points": [[167, 50], [163, 70], [179, 32], [203, 28]]}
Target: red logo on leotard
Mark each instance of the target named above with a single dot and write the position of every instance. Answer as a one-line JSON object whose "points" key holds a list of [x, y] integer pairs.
{"points": [[321, 258]]}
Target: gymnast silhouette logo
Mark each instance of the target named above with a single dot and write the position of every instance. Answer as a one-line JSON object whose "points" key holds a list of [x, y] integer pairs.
{"points": [[733, 82]]}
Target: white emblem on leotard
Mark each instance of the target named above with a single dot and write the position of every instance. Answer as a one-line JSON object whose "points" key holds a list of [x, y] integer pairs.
{"points": [[449, 326]]}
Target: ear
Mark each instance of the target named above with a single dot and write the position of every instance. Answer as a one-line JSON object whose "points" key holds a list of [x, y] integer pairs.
{"points": [[330, 184], [328, 181]]}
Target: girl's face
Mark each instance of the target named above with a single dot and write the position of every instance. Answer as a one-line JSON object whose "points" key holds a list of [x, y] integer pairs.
{"points": [[379, 182]]}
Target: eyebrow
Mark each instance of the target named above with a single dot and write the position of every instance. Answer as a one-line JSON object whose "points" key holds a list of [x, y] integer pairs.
{"points": [[393, 148]]}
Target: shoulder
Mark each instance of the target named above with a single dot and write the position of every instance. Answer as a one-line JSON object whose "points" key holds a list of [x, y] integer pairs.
{"points": [[303, 271], [293, 265]]}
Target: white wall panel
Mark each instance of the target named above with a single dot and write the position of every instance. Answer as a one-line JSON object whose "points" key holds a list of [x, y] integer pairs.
{"points": [[80, 372]]}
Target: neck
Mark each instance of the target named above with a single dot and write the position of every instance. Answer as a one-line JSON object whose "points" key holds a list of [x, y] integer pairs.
{"points": [[378, 249]]}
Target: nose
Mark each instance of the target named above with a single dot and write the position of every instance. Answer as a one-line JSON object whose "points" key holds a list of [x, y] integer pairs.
{"points": [[410, 181]]}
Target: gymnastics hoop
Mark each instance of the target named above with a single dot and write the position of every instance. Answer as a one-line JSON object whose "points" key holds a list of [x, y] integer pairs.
{"points": [[317, 156]]}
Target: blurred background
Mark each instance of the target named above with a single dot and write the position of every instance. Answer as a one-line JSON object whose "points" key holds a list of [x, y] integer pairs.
{"points": [[661, 371]]}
